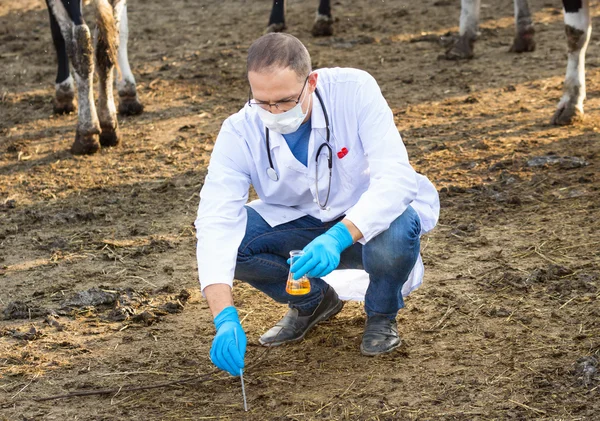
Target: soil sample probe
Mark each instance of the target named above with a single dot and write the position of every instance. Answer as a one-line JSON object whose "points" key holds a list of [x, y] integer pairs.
{"points": [[242, 379], [243, 390]]}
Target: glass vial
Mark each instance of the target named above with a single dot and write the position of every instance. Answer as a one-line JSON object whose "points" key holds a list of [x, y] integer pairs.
{"points": [[296, 286]]}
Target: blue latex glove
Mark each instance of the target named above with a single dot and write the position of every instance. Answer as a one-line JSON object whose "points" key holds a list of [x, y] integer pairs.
{"points": [[229, 345], [322, 255]]}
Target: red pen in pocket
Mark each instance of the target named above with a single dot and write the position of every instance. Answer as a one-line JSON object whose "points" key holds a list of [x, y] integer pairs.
{"points": [[342, 153]]}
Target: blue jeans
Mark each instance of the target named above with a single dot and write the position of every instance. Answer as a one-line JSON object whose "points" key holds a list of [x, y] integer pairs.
{"points": [[388, 259]]}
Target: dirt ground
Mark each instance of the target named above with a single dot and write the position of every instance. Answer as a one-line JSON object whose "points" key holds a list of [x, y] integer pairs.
{"points": [[98, 283]]}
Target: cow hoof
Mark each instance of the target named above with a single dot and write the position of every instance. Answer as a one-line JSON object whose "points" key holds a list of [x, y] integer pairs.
{"points": [[275, 27], [110, 137], [523, 43], [323, 27], [64, 107], [64, 98], [85, 144], [567, 115], [130, 106], [461, 50]]}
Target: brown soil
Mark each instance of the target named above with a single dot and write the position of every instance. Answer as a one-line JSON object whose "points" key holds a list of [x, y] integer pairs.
{"points": [[506, 325]]}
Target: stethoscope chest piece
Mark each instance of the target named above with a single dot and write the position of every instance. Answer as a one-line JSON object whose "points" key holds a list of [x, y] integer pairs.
{"points": [[272, 174]]}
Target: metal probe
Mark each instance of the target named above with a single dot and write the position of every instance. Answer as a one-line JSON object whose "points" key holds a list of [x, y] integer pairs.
{"points": [[241, 378], [243, 390]]}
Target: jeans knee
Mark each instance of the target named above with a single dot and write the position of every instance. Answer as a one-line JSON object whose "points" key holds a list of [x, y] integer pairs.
{"points": [[389, 261], [407, 240], [409, 225], [256, 267], [243, 254], [396, 248], [254, 223], [243, 264]]}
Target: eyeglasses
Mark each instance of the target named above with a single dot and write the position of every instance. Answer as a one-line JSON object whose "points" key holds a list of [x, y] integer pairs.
{"points": [[281, 105]]}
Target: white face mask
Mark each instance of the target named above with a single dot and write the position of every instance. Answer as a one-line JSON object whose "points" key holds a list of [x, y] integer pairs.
{"points": [[284, 123]]}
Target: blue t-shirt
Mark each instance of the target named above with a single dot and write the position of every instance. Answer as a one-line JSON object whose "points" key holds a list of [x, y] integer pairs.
{"points": [[298, 142]]}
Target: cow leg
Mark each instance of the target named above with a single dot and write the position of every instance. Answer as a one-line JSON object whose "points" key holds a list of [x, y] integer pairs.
{"points": [[523, 41], [78, 41], [277, 18], [578, 27], [129, 103], [106, 59], [469, 23], [64, 100], [323, 22]]}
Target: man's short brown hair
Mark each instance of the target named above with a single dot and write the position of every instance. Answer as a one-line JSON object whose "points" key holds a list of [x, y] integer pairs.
{"points": [[279, 50]]}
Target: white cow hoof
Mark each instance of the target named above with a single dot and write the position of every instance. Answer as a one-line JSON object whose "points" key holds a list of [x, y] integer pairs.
{"points": [[85, 144], [130, 105], [567, 115], [461, 50], [110, 136], [323, 26], [64, 107], [64, 98]]}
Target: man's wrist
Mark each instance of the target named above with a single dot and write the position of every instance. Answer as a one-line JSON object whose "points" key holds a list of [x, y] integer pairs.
{"points": [[219, 297], [353, 229]]}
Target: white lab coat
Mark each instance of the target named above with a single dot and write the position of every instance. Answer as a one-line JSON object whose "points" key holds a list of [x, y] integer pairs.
{"points": [[372, 185]]}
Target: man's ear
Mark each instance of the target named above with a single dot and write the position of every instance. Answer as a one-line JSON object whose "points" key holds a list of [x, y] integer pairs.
{"points": [[312, 81]]}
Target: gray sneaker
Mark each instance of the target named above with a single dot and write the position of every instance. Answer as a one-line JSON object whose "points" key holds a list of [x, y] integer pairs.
{"points": [[381, 336], [293, 327]]}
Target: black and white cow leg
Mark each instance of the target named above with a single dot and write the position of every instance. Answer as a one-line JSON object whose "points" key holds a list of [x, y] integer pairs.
{"points": [[578, 28], [88, 126], [523, 41], [323, 26], [469, 23], [78, 41], [106, 59], [64, 100], [129, 103], [277, 17]]}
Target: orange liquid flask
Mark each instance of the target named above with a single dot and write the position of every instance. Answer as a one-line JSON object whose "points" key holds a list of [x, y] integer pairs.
{"points": [[296, 286]]}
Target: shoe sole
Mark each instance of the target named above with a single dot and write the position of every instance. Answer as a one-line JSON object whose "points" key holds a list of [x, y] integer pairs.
{"points": [[326, 316], [374, 354]]}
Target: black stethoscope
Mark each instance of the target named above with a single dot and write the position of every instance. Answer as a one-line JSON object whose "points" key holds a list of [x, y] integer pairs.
{"points": [[272, 174]]}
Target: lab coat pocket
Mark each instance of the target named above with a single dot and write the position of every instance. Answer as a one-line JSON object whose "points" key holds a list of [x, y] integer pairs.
{"points": [[350, 166]]}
